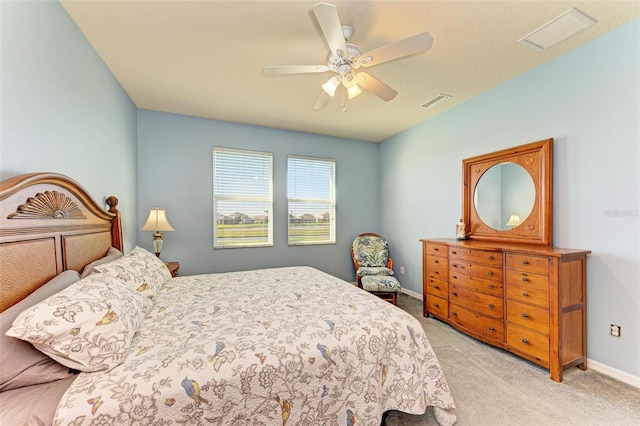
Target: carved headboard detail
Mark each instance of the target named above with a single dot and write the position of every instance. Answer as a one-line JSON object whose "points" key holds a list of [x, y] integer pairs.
{"points": [[51, 204], [48, 224]]}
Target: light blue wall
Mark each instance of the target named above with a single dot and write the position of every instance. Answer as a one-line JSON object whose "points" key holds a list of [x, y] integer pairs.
{"points": [[588, 100], [175, 172], [61, 108]]}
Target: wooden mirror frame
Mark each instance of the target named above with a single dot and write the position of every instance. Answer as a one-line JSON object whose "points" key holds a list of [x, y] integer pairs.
{"points": [[537, 228]]}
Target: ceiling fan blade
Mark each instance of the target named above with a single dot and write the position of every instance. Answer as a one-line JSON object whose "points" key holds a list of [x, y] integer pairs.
{"points": [[408, 46], [327, 16], [376, 87], [294, 69], [322, 101]]}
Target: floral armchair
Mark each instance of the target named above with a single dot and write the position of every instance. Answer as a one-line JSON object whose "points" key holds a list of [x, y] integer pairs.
{"points": [[374, 267]]}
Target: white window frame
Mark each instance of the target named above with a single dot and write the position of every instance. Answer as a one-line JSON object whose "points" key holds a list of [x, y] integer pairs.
{"points": [[326, 196], [218, 152]]}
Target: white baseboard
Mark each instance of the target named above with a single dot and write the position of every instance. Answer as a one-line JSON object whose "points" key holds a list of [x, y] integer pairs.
{"points": [[411, 293], [614, 373], [594, 365]]}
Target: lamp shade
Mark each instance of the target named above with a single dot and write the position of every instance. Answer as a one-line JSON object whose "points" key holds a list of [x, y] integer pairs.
{"points": [[157, 221], [353, 91], [331, 85], [514, 220]]}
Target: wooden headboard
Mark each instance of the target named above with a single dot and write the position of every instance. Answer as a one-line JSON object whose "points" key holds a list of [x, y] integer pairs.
{"points": [[48, 224]]}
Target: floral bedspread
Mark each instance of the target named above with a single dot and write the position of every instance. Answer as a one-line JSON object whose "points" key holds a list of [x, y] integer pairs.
{"points": [[268, 347]]}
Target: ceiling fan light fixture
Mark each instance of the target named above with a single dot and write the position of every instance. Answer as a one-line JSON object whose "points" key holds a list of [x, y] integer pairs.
{"points": [[331, 85], [353, 91]]}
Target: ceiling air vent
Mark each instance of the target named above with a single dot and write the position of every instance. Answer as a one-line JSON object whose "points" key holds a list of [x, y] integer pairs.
{"points": [[437, 99], [557, 30]]}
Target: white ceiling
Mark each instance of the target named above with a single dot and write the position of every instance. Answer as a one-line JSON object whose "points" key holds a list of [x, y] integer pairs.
{"points": [[205, 58]]}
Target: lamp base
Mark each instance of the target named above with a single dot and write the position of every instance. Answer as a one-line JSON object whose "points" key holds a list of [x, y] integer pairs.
{"points": [[157, 243]]}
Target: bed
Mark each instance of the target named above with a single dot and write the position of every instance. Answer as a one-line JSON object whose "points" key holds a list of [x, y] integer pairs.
{"points": [[127, 344]]}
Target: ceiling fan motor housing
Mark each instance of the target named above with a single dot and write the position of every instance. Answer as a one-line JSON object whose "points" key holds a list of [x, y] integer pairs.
{"points": [[346, 63]]}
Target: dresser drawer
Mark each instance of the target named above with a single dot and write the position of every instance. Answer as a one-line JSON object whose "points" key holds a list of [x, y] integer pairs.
{"points": [[482, 303], [436, 249], [528, 316], [487, 327], [476, 270], [437, 288], [478, 256], [528, 342], [437, 267], [475, 283], [527, 263], [529, 288], [437, 306]]}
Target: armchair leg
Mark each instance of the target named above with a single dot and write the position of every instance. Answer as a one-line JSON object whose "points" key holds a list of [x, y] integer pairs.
{"points": [[389, 297]]}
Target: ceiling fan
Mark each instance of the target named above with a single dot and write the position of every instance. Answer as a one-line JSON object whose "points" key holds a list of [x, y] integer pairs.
{"points": [[345, 59]]}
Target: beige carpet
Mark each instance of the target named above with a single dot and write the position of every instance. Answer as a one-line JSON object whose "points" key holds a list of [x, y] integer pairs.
{"points": [[493, 387]]}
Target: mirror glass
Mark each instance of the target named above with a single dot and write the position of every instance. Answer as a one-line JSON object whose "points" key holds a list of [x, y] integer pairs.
{"points": [[504, 196]]}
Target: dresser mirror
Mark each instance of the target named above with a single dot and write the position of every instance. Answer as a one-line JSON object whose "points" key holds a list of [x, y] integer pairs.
{"points": [[504, 196], [508, 194]]}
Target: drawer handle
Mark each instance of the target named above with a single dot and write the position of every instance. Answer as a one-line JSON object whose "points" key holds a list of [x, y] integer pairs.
{"points": [[436, 305], [525, 341], [525, 279], [453, 313], [455, 277], [492, 329], [491, 306], [525, 294], [436, 287], [490, 285], [525, 316], [490, 273], [436, 249], [436, 261], [454, 252], [491, 258], [453, 293], [525, 262]]}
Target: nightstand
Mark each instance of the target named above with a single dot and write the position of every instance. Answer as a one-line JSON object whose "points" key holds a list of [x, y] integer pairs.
{"points": [[173, 268]]}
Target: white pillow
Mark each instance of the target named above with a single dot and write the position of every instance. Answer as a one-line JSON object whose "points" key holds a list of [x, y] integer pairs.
{"points": [[88, 326]]}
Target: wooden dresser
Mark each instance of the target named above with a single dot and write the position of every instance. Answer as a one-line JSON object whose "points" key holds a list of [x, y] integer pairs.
{"points": [[527, 299]]}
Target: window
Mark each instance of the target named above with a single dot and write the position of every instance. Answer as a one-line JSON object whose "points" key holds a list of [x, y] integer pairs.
{"points": [[312, 206], [242, 198]]}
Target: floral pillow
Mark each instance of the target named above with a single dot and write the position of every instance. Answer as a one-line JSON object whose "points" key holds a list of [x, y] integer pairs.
{"points": [[140, 269], [157, 270], [88, 326]]}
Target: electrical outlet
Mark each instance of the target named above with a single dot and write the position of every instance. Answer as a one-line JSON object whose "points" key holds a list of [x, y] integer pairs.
{"points": [[615, 330], [402, 270]]}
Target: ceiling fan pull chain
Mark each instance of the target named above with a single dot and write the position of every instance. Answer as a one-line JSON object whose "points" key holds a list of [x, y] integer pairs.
{"points": [[344, 101]]}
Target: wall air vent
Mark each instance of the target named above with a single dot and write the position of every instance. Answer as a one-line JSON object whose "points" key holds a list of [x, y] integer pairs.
{"points": [[557, 30], [437, 99]]}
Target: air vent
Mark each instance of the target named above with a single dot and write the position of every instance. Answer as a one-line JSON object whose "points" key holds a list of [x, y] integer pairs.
{"points": [[437, 99], [557, 30]]}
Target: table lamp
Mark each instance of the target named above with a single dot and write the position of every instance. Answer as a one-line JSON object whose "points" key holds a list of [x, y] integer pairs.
{"points": [[157, 222]]}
